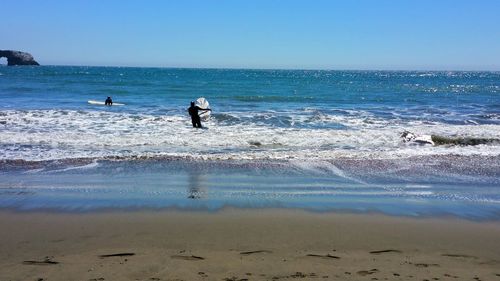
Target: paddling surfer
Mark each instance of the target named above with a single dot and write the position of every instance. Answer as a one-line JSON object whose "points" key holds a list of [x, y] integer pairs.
{"points": [[108, 101], [195, 117]]}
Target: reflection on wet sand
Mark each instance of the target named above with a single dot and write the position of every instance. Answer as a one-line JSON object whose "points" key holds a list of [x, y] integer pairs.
{"points": [[197, 186]]}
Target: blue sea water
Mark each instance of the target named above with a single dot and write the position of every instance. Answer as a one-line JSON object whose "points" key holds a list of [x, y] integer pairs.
{"points": [[318, 140]]}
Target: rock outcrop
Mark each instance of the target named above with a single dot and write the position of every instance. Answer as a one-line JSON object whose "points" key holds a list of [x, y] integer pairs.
{"points": [[18, 58], [441, 140]]}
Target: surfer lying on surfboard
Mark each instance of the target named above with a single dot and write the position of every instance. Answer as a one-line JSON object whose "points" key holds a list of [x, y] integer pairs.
{"points": [[195, 117]]}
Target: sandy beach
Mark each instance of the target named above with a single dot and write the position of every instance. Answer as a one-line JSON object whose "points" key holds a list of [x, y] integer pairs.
{"points": [[238, 244]]}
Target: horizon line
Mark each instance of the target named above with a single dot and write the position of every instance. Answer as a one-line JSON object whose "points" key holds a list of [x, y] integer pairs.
{"points": [[282, 68]]}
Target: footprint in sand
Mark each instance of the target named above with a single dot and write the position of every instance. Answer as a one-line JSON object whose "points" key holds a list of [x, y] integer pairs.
{"points": [[256, 252], [367, 272], [117, 255], [187, 258], [57, 240], [426, 264], [327, 256], [459, 256], [385, 251], [46, 261], [234, 279]]}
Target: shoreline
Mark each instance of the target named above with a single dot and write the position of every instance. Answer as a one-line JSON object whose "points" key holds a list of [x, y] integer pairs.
{"points": [[230, 159], [222, 210], [258, 244]]}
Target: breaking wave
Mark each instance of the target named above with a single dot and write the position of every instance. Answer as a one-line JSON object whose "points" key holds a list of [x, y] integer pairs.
{"points": [[59, 134]]}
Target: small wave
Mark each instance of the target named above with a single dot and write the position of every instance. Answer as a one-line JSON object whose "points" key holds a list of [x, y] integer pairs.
{"points": [[491, 116], [262, 98], [92, 165], [470, 121], [34, 171], [418, 186], [323, 167], [431, 74], [226, 118]]}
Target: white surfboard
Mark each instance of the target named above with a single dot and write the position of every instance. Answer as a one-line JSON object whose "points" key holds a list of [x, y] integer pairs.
{"points": [[203, 104], [95, 102]]}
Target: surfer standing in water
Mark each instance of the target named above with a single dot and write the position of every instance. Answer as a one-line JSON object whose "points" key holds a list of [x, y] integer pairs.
{"points": [[108, 101], [195, 117]]}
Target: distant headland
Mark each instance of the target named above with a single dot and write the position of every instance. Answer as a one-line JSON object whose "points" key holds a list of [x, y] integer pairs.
{"points": [[18, 58]]}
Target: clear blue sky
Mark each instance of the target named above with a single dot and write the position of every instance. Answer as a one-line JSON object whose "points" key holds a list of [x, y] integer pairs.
{"points": [[349, 34]]}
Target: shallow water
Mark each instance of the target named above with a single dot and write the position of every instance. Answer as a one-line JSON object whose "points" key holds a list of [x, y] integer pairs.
{"points": [[412, 187]]}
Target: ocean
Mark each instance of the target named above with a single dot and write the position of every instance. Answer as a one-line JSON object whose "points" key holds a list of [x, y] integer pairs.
{"points": [[316, 140]]}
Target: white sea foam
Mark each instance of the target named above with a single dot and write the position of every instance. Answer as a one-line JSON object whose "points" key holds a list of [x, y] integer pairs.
{"points": [[60, 134]]}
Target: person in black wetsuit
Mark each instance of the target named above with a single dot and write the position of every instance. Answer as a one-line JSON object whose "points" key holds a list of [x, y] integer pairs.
{"points": [[108, 101], [195, 117]]}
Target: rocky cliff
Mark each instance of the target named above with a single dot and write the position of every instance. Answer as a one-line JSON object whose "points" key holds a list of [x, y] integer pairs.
{"points": [[18, 58]]}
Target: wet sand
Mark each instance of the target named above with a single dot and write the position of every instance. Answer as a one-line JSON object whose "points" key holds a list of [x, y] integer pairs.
{"points": [[244, 245]]}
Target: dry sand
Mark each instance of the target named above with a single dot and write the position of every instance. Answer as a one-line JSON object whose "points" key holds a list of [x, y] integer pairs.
{"points": [[244, 245]]}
